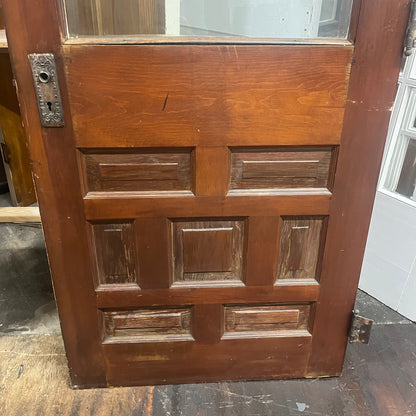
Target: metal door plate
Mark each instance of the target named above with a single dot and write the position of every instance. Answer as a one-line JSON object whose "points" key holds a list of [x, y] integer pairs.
{"points": [[45, 79]]}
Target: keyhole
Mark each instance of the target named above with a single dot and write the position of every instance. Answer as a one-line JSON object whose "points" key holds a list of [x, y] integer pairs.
{"points": [[44, 76], [49, 104]]}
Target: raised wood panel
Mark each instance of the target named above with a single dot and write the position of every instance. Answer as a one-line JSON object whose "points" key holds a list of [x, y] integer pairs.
{"points": [[115, 253], [261, 319], [280, 168], [300, 248], [210, 95], [216, 244], [208, 250], [147, 325], [135, 171]]}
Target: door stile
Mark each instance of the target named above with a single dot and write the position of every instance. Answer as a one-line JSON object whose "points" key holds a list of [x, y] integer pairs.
{"points": [[372, 89], [58, 190]]}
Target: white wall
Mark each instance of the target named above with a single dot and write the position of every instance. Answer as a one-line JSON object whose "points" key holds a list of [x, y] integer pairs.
{"points": [[257, 18], [389, 267]]}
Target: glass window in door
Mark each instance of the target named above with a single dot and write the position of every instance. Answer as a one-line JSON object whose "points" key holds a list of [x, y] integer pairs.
{"points": [[284, 19]]}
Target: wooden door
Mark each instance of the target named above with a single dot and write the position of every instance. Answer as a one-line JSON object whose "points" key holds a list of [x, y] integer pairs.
{"points": [[206, 205]]}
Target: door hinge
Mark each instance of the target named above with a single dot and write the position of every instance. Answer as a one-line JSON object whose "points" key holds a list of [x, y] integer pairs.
{"points": [[409, 42], [45, 79], [360, 328]]}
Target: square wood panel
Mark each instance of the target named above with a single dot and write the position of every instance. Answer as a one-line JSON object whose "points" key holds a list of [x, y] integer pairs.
{"points": [[208, 250]]}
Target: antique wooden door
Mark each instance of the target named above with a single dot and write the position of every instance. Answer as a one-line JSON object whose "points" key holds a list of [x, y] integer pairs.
{"points": [[206, 203]]}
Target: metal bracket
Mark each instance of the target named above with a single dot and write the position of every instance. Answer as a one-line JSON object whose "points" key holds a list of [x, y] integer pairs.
{"points": [[409, 42], [45, 79], [360, 329]]}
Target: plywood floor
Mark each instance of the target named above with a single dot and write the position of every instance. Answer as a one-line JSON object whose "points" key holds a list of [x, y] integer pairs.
{"points": [[379, 379]]}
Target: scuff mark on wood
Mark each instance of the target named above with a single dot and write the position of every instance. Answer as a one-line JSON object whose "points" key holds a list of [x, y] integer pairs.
{"points": [[21, 370], [165, 102]]}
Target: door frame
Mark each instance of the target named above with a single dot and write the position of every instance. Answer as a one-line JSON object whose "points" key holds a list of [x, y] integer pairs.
{"points": [[374, 73]]}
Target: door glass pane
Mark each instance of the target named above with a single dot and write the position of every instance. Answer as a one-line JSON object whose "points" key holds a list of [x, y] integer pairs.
{"points": [[285, 19]]}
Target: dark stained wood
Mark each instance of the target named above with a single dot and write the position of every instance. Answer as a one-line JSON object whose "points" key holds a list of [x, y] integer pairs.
{"points": [[275, 357], [148, 325], [58, 191], [302, 202], [372, 90], [274, 168], [260, 320], [138, 172], [154, 252], [207, 95], [219, 178], [208, 250], [115, 253], [129, 297], [300, 240], [206, 101], [208, 323], [354, 21], [262, 242]]}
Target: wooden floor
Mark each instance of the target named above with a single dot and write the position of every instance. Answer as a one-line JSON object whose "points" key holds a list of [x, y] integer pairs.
{"points": [[379, 379]]}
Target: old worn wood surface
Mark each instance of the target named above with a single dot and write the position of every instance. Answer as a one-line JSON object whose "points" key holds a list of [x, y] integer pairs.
{"points": [[378, 379], [135, 194]]}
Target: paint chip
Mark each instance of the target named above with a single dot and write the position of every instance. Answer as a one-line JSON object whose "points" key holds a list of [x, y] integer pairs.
{"points": [[302, 406]]}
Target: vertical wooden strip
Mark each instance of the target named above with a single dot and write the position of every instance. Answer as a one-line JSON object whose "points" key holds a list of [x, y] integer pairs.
{"points": [[207, 323], [212, 170], [377, 58], [263, 243], [58, 191], [154, 252]]}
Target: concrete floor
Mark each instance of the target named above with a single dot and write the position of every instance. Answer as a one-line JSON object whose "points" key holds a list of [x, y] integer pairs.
{"points": [[378, 379]]}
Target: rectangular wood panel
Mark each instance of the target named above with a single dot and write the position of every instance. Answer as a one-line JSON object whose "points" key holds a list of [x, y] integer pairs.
{"points": [[115, 253], [276, 168], [138, 171], [210, 95], [260, 319], [300, 247], [148, 325], [208, 250]]}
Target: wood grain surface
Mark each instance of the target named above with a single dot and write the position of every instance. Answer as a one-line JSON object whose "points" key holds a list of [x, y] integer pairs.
{"points": [[207, 95], [208, 100]]}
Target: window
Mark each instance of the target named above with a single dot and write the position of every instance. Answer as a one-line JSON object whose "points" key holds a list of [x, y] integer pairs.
{"points": [[399, 173]]}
